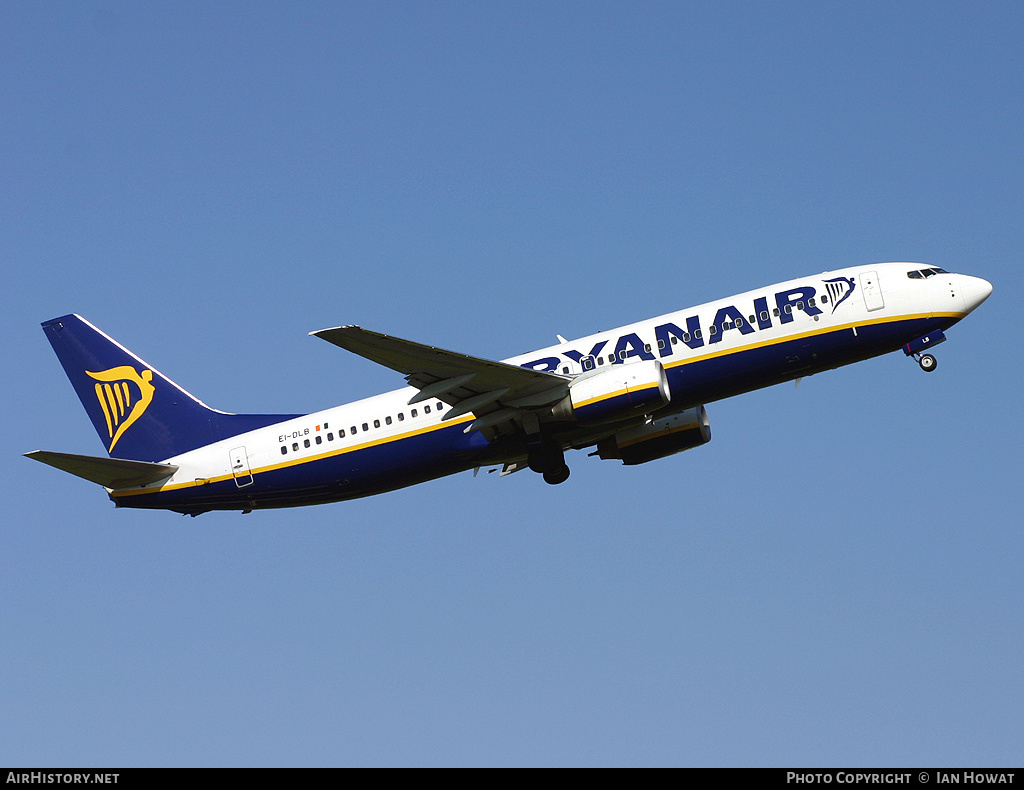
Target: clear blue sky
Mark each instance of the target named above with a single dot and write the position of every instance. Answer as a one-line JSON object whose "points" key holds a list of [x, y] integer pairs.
{"points": [[835, 579]]}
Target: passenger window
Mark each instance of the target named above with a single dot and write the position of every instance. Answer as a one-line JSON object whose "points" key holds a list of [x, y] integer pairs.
{"points": [[739, 323], [800, 305], [661, 344], [588, 363], [751, 319], [341, 434], [319, 439], [284, 449], [810, 302], [675, 340], [366, 427], [611, 357], [353, 430], [414, 412], [647, 348], [824, 299], [565, 369], [305, 443], [387, 420], [764, 315], [776, 311], [698, 334], [622, 354], [295, 447], [600, 361], [440, 406], [789, 309], [400, 416], [330, 437]]}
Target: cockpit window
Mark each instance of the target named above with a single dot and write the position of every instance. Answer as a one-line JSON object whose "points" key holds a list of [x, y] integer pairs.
{"points": [[923, 274]]}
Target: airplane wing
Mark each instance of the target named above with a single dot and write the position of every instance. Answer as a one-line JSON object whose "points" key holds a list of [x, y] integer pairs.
{"points": [[108, 472], [495, 392]]}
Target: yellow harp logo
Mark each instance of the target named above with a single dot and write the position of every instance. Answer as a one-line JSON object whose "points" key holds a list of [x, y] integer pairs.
{"points": [[114, 393]]}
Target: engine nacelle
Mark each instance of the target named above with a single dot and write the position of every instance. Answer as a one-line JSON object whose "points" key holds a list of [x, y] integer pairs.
{"points": [[659, 439], [616, 393]]}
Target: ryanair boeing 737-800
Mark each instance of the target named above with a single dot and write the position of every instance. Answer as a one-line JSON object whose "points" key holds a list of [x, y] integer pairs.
{"points": [[634, 394]]}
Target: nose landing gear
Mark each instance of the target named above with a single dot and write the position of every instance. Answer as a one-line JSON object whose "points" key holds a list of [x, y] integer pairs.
{"points": [[915, 347]]}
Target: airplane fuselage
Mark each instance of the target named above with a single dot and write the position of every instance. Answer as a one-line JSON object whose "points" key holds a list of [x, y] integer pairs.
{"points": [[709, 352]]}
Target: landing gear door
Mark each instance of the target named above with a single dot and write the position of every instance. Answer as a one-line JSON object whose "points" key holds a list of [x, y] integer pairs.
{"points": [[872, 293], [240, 467]]}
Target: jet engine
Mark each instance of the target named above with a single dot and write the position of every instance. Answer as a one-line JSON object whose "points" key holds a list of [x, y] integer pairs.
{"points": [[615, 393], [658, 439]]}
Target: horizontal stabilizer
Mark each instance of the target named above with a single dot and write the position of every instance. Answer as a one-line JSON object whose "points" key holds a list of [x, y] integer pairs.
{"points": [[108, 472]]}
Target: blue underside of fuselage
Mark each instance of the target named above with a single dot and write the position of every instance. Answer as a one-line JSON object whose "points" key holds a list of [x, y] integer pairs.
{"points": [[415, 459]]}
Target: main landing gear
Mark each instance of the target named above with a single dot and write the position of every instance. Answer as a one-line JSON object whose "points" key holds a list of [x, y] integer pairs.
{"points": [[556, 476], [548, 459], [544, 455]]}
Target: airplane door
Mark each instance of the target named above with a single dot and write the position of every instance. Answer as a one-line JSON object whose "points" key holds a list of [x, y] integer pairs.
{"points": [[240, 467], [872, 293]]}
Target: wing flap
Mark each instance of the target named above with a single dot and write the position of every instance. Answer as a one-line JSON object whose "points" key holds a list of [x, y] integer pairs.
{"points": [[107, 472], [441, 388]]}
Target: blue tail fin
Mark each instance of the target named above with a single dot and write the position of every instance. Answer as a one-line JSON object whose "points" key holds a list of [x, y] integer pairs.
{"points": [[138, 413]]}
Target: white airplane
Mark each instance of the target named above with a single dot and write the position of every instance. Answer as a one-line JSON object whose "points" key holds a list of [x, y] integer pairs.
{"points": [[635, 394]]}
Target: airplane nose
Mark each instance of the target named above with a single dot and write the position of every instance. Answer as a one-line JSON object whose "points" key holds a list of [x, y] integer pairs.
{"points": [[975, 291]]}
